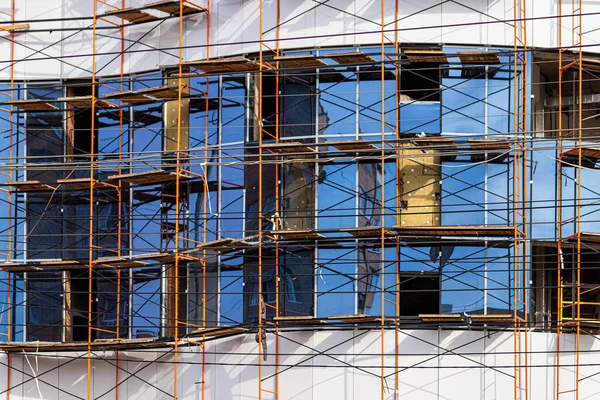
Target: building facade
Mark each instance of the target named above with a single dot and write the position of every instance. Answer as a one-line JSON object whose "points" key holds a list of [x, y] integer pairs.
{"points": [[264, 199]]}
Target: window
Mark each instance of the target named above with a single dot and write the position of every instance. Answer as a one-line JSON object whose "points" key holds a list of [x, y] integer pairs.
{"points": [[363, 201], [79, 123], [268, 210], [290, 286], [365, 298], [251, 211], [252, 214], [44, 137], [109, 217], [269, 287], [269, 290], [420, 78], [308, 175], [251, 217], [44, 307], [419, 293], [374, 249], [108, 309], [366, 202]]}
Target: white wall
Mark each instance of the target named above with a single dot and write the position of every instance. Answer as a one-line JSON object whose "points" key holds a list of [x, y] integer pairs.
{"points": [[235, 30], [328, 365]]}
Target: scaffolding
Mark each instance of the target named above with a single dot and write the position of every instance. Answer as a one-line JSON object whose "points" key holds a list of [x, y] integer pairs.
{"points": [[391, 213], [570, 59]]}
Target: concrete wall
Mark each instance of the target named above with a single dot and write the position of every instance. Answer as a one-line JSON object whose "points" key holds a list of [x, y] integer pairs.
{"points": [[235, 30], [328, 365]]}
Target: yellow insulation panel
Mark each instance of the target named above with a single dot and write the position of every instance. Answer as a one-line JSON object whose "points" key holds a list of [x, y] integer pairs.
{"points": [[420, 187]]}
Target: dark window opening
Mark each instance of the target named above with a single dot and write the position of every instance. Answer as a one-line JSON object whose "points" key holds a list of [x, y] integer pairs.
{"points": [[252, 215], [108, 217], [45, 144], [202, 281], [419, 293], [268, 289], [269, 103], [288, 286], [292, 104], [44, 307], [297, 107], [81, 125], [78, 310], [106, 296], [268, 209], [544, 298], [420, 81], [112, 302]]}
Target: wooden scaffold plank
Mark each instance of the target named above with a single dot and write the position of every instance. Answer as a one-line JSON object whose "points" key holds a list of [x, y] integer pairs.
{"points": [[132, 15], [455, 230], [131, 97], [368, 232], [436, 143], [591, 237], [433, 56], [297, 234], [29, 186], [491, 318], [589, 156], [84, 183], [15, 27], [172, 7], [298, 320], [300, 61], [354, 318], [149, 177], [298, 148], [17, 267], [164, 92], [499, 145], [120, 262], [478, 57], [589, 64], [224, 65], [218, 331], [63, 265], [352, 145], [85, 102], [350, 58], [32, 105], [436, 318]]}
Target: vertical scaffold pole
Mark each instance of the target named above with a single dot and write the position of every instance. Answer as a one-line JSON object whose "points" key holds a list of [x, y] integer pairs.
{"points": [[520, 275], [91, 210], [397, 207], [9, 314], [259, 124], [572, 62], [382, 205]]}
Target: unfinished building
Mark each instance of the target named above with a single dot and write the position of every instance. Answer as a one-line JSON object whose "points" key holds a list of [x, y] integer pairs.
{"points": [[267, 199]]}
